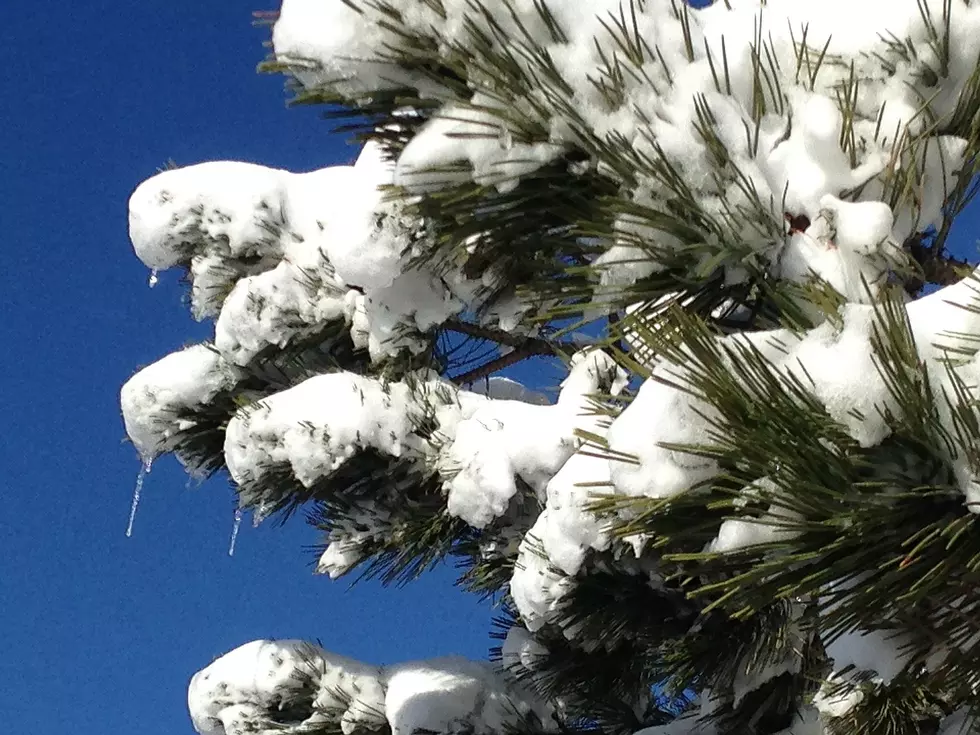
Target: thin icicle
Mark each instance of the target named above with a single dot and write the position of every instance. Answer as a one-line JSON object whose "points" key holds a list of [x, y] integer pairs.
{"points": [[144, 471], [234, 531]]}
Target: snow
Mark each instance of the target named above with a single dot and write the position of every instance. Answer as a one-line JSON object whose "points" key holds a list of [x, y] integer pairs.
{"points": [[293, 687], [569, 530], [774, 526], [340, 556], [836, 697], [159, 401], [317, 425], [520, 651], [848, 245], [225, 206], [396, 316], [475, 134], [274, 307], [507, 389], [506, 440], [454, 695], [244, 690], [883, 652], [348, 536], [537, 587], [275, 255], [658, 414]]}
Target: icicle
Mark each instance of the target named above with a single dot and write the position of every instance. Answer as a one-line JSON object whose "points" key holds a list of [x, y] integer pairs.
{"points": [[234, 531], [144, 471], [154, 278]]}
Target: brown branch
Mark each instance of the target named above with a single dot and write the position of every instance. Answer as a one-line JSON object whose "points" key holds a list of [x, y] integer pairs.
{"points": [[491, 335], [933, 265], [945, 270], [530, 348]]}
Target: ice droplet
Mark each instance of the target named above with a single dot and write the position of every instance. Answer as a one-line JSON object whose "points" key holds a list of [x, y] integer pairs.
{"points": [[144, 471], [234, 531]]}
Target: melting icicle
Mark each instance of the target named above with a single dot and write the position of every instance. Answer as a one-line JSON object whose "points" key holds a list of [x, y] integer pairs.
{"points": [[153, 279], [144, 471], [234, 531]]}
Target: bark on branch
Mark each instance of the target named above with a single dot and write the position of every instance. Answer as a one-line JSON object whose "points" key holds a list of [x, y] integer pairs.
{"points": [[531, 348], [934, 265]]}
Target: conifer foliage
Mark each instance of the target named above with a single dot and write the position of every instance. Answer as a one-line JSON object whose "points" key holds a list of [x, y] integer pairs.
{"points": [[750, 507]]}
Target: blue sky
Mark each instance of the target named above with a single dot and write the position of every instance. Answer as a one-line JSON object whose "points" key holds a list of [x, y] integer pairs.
{"points": [[102, 632]]}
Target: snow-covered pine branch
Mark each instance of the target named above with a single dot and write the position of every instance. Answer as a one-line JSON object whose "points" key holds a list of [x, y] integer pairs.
{"points": [[759, 480], [295, 687]]}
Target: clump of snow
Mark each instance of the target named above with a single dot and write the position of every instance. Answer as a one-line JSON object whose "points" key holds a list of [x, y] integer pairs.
{"points": [[395, 317], [454, 695], [504, 442], [506, 389], [275, 255], [536, 586], [837, 697], [227, 206], [339, 557], [294, 687], [349, 536], [276, 306], [569, 529], [848, 245], [473, 134], [775, 525], [883, 652], [520, 651], [623, 265], [287, 686], [159, 402], [317, 425], [660, 413]]}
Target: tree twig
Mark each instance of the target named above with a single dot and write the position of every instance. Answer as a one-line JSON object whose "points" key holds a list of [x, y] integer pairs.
{"points": [[491, 335], [934, 266], [530, 349]]}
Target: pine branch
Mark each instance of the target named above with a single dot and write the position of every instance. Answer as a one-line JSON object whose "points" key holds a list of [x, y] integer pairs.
{"points": [[530, 348], [491, 335], [935, 266]]}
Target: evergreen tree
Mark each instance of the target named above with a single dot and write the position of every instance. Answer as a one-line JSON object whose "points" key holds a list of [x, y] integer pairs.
{"points": [[750, 508]]}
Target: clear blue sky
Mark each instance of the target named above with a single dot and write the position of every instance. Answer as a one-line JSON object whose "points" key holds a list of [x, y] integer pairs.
{"points": [[101, 632]]}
